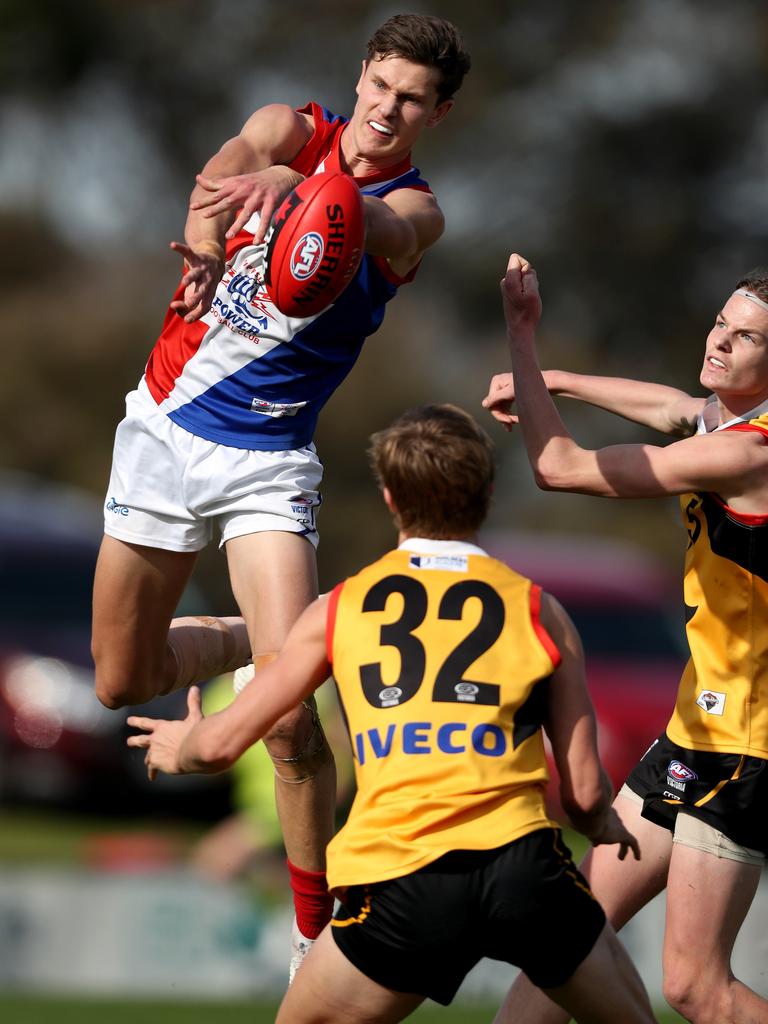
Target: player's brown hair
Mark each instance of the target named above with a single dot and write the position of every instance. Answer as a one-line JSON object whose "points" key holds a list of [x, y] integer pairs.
{"points": [[424, 39], [437, 464], [756, 280]]}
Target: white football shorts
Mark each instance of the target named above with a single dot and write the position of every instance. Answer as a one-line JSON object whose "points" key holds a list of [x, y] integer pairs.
{"points": [[168, 487]]}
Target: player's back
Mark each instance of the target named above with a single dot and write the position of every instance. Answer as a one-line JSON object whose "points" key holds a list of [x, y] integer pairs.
{"points": [[442, 667]]}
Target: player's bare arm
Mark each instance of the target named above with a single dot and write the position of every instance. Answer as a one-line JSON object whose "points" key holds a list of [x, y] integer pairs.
{"points": [[269, 139], [731, 464], [666, 409], [402, 226], [585, 790], [213, 744]]}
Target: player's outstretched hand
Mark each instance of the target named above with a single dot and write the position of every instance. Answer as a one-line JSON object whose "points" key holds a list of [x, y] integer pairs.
{"points": [[262, 190], [520, 295], [614, 831], [500, 399], [162, 740], [203, 269]]}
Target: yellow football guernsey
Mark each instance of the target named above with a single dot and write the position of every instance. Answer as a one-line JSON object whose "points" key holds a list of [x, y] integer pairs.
{"points": [[441, 665], [722, 701]]}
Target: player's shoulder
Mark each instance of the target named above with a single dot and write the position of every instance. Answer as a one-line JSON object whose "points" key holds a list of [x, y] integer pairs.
{"points": [[285, 126]]}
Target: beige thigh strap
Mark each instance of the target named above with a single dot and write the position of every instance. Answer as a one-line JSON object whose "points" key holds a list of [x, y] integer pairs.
{"points": [[699, 835], [630, 794]]}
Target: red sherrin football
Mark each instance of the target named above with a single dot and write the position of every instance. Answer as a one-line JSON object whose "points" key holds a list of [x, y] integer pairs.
{"points": [[315, 244]]}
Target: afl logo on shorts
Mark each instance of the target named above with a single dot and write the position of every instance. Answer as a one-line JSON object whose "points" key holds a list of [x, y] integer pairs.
{"points": [[306, 255], [390, 696], [677, 770], [466, 691]]}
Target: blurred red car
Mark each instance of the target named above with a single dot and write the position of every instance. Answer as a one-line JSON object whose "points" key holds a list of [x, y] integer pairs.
{"points": [[629, 611], [58, 744]]}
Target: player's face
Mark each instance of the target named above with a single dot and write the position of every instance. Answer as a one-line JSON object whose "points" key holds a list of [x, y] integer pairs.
{"points": [[396, 101], [736, 358]]}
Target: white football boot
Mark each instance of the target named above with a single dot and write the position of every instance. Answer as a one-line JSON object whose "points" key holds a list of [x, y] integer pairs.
{"points": [[300, 946]]}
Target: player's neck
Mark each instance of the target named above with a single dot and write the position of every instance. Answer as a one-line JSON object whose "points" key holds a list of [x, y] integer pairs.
{"points": [[732, 407], [359, 165], [403, 536]]}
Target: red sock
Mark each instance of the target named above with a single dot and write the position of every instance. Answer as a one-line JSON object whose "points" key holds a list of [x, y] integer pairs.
{"points": [[311, 900]]}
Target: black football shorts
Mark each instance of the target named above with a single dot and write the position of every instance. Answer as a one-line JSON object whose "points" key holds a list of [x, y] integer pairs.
{"points": [[524, 903], [727, 791]]}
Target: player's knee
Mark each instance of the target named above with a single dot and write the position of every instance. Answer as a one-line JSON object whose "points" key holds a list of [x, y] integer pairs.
{"points": [[121, 681], [297, 745], [114, 689], [290, 734], [692, 994]]}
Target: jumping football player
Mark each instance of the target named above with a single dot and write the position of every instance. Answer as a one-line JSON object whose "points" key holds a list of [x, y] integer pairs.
{"points": [[219, 431]]}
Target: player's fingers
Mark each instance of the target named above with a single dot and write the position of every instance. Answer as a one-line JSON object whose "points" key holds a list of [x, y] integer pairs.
{"points": [[209, 184], [197, 311], [187, 254], [194, 703], [141, 741], [151, 773], [501, 415], [515, 261], [138, 722], [242, 219]]}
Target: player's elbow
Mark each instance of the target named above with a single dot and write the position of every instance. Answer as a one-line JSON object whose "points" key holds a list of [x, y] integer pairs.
{"points": [[547, 475], [111, 699]]}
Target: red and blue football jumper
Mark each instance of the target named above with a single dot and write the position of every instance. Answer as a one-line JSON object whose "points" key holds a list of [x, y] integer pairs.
{"points": [[246, 375]]}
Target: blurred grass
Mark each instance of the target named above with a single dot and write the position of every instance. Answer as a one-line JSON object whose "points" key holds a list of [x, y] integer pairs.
{"points": [[34, 838], [18, 1010]]}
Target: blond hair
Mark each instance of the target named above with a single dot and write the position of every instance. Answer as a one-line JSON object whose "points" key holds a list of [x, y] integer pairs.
{"points": [[437, 464]]}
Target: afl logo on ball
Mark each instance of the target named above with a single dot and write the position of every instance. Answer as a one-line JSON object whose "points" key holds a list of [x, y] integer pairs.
{"points": [[306, 255]]}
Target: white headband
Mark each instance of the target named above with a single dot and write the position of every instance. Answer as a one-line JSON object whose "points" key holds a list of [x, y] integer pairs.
{"points": [[752, 297]]}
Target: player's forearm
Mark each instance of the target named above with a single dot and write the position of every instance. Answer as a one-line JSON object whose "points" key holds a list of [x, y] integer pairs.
{"points": [[588, 808], [202, 232], [666, 409], [558, 462], [205, 751], [387, 234]]}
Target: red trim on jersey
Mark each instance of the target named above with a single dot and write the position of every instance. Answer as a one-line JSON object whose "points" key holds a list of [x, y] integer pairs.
{"points": [[747, 518], [386, 271], [754, 427], [180, 341], [316, 148], [330, 622], [545, 639]]}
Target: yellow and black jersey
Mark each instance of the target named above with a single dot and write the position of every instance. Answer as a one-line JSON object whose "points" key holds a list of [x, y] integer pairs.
{"points": [[442, 666], [722, 701]]}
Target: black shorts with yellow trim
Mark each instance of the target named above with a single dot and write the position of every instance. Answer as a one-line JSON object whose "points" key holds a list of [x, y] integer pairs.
{"points": [[524, 903], [727, 791]]}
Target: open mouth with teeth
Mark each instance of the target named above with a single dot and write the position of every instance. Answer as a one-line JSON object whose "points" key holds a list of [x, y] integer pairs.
{"points": [[380, 129], [717, 363]]}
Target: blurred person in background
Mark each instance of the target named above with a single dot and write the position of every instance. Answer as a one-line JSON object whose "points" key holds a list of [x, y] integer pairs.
{"points": [[248, 842], [697, 799], [448, 854], [219, 430]]}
